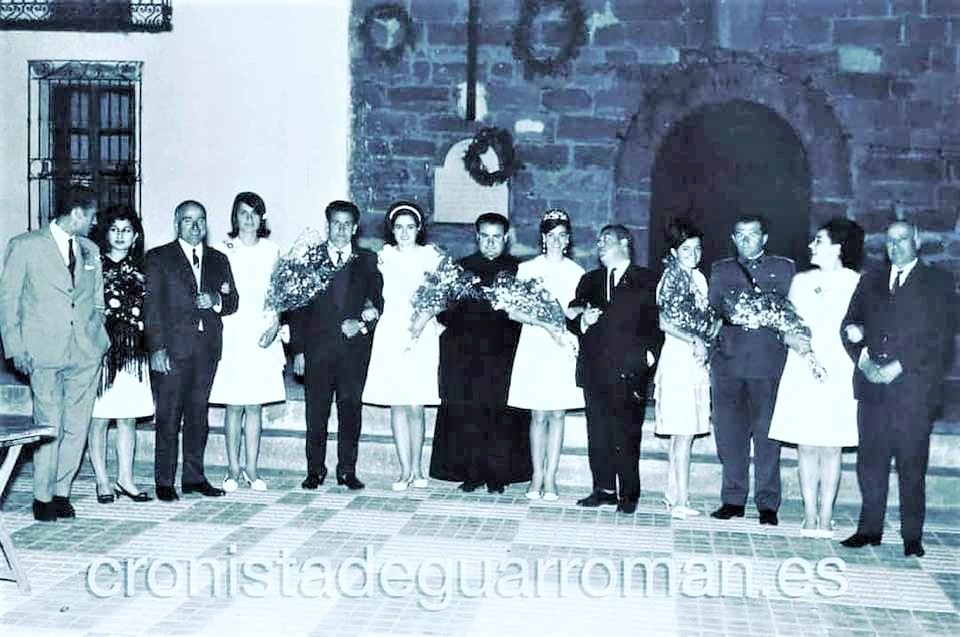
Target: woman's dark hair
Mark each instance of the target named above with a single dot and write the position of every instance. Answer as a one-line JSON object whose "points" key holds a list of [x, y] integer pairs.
{"points": [[551, 219], [680, 230], [403, 209], [255, 201], [120, 212], [849, 235]]}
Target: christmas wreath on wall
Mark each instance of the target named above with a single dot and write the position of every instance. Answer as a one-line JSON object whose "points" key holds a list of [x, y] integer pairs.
{"points": [[574, 18], [500, 140], [395, 20]]}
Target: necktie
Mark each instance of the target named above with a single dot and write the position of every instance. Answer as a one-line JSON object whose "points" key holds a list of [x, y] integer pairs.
{"points": [[196, 261], [613, 284], [897, 282], [339, 258], [71, 258]]}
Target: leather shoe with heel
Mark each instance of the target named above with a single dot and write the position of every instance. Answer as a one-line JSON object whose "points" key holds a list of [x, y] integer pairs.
{"points": [[167, 494], [598, 498], [469, 486], [350, 481], [313, 480], [913, 547], [627, 505], [728, 511], [859, 540], [205, 489], [63, 507], [44, 511], [141, 496], [769, 516]]}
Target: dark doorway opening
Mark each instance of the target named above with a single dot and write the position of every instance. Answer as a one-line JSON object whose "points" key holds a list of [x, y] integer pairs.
{"points": [[728, 159]]}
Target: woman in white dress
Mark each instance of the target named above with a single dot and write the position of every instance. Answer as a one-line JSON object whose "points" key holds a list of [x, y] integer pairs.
{"points": [[124, 394], [405, 355], [821, 417], [250, 372], [544, 369], [682, 380]]}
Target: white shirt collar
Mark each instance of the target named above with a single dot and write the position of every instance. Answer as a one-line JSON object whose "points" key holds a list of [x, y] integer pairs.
{"points": [[62, 237], [906, 270], [346, 251], [188, 250]]}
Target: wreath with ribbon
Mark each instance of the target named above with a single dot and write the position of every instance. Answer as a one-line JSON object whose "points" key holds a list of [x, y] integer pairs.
{"points": [[384, 14], [500, 140], [576, 22]]}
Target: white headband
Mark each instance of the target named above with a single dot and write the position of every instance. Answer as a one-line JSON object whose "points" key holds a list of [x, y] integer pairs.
{"points": [[405, 208]]}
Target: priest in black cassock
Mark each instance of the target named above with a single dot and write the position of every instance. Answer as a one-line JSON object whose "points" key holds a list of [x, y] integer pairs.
{"points": [[478, 439]]}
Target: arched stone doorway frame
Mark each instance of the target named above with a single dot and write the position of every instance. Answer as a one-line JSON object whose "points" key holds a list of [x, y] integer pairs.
{"points": [[724, 77]]}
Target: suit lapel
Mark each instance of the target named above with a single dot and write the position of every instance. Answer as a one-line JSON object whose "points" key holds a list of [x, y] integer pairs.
{"points": [[183, 264], [59, 273]]}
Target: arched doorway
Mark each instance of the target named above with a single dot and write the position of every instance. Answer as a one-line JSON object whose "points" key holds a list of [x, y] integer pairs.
{"points": [[726, 159]]}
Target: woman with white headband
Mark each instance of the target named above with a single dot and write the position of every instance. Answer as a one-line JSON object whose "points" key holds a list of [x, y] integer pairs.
{"points": [[406, 345]]}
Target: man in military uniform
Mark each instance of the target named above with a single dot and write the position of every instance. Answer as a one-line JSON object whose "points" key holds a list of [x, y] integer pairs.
{"points": [[745, 375]]}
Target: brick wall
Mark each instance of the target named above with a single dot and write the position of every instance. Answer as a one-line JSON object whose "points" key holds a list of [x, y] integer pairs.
{"points": [[871, 86]]}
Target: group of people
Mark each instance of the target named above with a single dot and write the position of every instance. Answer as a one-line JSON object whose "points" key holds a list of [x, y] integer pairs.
{"points": [[100, 329]]}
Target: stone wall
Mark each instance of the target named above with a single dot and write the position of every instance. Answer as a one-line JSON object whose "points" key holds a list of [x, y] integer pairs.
{"points": [[870, 86]]}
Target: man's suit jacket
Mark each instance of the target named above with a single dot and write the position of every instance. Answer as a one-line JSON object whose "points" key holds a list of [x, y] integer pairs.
{"points": [[43, 313], [751, 354], [615, 347], [915, 326], [172, 318], [315, 328]]}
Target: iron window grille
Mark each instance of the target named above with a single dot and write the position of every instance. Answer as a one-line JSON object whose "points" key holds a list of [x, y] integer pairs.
{"points": [[86, 15], [84, 128]]}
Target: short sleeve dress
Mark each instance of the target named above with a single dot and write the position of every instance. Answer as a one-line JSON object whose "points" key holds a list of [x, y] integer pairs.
{"points": [[681, 384], [544, 373], [810, 412], [247, 373], [403, 371]]}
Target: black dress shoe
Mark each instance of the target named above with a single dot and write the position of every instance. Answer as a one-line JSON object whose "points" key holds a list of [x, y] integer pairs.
{"points": [[859, 540], [728, 511], [469, 486], [597, 498], [141, 496], [44, 511], [167, 494], [769, 516], [63, 507], [106, 498], [350, 481], [627, 505], [913, 547], [204, 488], [313, 480], [495, 487]]}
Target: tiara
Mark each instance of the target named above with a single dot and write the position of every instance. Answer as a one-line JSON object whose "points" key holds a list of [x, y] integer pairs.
{"points": [[556, 215], [405, 208]]}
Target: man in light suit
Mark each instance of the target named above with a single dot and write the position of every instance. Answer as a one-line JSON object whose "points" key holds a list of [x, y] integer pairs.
{"points": [[52, 326], [899, 331], [189, 287]]}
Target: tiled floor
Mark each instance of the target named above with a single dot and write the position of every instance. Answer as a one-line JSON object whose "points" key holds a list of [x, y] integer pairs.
{"points": [[437, 561]]}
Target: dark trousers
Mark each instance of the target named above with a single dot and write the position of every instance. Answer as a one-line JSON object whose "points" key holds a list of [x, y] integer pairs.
{"points": [[183, 396], [742, 409], [614, 428], [343, 372], [893, 428], [480, 443]]}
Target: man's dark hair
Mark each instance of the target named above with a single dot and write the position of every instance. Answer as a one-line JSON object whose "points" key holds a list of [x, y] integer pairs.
{"points": [[339, 205], [620, 232], [493, 217], [751, 217], [76, 196]]}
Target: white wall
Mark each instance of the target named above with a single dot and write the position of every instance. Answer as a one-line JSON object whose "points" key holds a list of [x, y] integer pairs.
{"points": [[241, 95]]}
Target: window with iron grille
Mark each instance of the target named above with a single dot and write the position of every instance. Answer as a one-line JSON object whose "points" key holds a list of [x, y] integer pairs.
{"points": [[84, 129], [86, 15]]}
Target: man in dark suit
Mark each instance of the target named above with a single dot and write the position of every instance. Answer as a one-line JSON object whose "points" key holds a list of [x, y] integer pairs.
{"points": [[189, 287], [331, 340], [477, 438], [745, 375], [899, 330], [619, 340], [52, 324]]}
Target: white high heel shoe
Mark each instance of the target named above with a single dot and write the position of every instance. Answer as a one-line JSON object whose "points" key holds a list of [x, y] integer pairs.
{"points": [[402, 485], [256, 485]]}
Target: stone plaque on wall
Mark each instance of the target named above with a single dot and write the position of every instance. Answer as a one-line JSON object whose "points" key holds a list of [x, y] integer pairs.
{"points": [[457, 198]]}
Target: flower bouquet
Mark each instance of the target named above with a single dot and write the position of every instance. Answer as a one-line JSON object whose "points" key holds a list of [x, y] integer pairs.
{"points": [[754, 310], [683, 304], [529, 298], [442, 287], [303, 273]]}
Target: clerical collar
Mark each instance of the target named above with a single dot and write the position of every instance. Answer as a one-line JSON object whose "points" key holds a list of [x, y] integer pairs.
{"points": [[753, 259]]}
